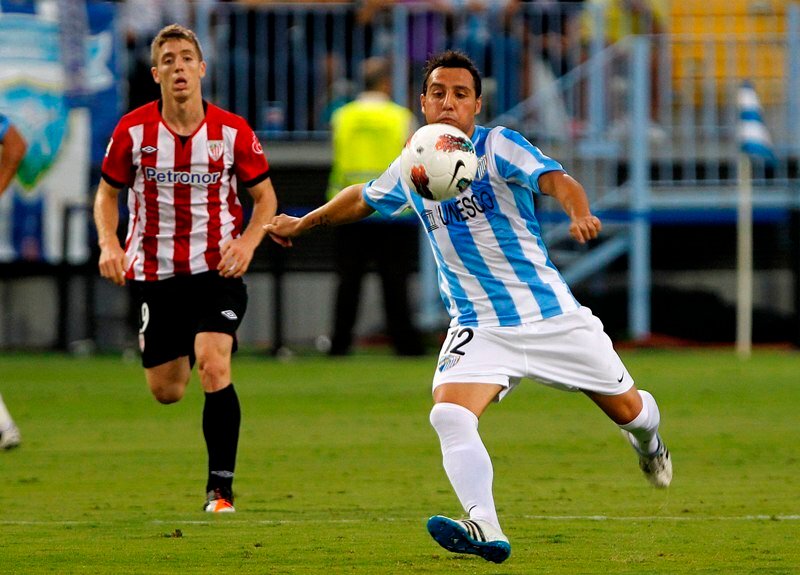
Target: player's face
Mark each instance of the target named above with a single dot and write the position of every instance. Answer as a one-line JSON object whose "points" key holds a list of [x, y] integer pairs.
{"points": [[450, 99], [179, 70]]}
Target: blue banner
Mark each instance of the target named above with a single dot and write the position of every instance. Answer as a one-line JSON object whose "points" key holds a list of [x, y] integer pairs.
{"points": [[66, 118]]}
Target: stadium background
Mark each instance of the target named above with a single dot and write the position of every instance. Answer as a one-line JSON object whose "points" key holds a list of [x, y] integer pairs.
{"points": [[339, 469], [641, 109]]}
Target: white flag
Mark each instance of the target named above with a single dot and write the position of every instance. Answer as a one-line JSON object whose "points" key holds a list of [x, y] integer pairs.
{"points": [[754, 139]]}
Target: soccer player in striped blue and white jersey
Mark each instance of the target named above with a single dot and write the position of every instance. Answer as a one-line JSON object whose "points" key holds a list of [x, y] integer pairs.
{"points": [[513, 315]]}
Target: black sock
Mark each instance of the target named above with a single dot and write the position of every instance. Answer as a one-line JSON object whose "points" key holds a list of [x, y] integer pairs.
{"points": [[221, 418]]}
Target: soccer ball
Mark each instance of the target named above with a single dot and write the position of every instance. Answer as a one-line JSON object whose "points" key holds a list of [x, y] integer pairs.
{"points": [[439, 162]]}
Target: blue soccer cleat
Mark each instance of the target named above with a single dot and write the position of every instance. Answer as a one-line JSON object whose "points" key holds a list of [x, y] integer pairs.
{"points": [[472, 536]]}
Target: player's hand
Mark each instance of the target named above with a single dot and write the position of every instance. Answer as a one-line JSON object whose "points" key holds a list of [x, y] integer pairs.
{"points": [[112, 264], [236, 258], [585, 228], [282, 229]]}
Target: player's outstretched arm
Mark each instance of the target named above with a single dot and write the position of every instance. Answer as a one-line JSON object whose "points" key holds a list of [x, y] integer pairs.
{"points": [[106, 219], [572, 197], [346, 207]]}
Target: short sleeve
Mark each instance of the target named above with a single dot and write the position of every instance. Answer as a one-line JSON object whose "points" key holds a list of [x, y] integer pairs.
{"points": [[519, 161], [250, 163], [387, 194], [117, 164]]}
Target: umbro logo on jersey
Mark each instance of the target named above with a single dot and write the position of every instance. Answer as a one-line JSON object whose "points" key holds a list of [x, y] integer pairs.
{"points": [[149, 150], [230, 314]]}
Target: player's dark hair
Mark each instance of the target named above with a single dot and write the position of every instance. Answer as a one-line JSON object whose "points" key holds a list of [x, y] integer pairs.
{"points": [[173, 32], [452, 59]]}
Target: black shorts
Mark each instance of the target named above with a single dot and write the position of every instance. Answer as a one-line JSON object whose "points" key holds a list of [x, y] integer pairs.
{"points": [[173, 311]]}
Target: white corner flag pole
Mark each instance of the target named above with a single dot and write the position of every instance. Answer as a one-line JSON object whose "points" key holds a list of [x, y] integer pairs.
{"points": [[744, 259], [754, 140]]}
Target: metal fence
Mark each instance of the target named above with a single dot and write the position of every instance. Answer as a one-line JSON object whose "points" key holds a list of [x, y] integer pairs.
{"points": [[640, 107]]}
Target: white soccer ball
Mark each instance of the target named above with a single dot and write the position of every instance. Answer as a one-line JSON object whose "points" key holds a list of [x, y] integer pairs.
{"points": [[439, 162]]}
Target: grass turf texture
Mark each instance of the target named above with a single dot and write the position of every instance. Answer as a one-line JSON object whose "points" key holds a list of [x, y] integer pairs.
{"points": [[339, 470]]}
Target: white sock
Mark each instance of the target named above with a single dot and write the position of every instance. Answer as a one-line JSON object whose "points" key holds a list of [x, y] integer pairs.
{"points": [[644, 426], [5, 417], [465, 460]]}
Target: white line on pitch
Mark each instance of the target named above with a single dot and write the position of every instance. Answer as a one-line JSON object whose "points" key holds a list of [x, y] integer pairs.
{"points": [[646, 518], [664, 518]]}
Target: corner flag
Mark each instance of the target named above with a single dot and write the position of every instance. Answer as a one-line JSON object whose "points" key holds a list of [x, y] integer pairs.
{"points": [[754, 142], [754, 139]]}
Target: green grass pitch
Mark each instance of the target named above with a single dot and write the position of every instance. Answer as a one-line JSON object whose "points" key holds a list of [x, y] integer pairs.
{"points": [[339, 469]]}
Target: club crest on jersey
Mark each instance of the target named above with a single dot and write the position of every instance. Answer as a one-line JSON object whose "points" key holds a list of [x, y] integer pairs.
{"points": [[447, 362], [215, 149]]}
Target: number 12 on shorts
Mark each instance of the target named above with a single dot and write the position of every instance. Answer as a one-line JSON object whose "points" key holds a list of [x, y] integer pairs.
{"points": [[458, 339]]}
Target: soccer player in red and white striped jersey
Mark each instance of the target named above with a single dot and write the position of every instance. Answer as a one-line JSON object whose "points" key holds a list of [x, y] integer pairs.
{"points": [[182, 160]]}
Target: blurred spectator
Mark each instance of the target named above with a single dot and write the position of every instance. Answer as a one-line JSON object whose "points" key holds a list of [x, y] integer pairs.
{"points": [[368, 134], [483, 32], [624, 18], [555, 26], [141, 20], [339, 90], [551, 49], [427, 34]]}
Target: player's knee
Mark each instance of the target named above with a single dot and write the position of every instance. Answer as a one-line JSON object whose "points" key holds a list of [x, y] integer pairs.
{"points": [[449, 418], [166, 394], [214, 373]]}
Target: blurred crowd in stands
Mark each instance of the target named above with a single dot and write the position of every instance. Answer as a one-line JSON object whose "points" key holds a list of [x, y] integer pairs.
{"points": [[519, 45]]}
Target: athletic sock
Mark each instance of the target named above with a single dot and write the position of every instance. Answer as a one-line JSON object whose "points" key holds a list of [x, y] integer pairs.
{"points": [[221, 419], [465, 459], [644, 427]]}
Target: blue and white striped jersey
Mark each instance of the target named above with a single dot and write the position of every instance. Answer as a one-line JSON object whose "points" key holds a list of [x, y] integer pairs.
{"points": [[493, 265]]}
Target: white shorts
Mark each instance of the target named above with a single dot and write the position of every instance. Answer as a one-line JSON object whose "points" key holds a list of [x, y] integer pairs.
{"points": [[569, 352]]}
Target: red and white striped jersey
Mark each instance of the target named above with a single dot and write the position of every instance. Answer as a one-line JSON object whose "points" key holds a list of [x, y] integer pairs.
{"points": [[182, 191]]}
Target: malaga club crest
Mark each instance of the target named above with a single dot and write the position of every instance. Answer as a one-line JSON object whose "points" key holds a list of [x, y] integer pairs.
{"points": [[32, 90]]}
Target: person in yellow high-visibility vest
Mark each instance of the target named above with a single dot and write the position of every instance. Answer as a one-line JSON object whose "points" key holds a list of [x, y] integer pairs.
{"points": [[368, 134]]}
